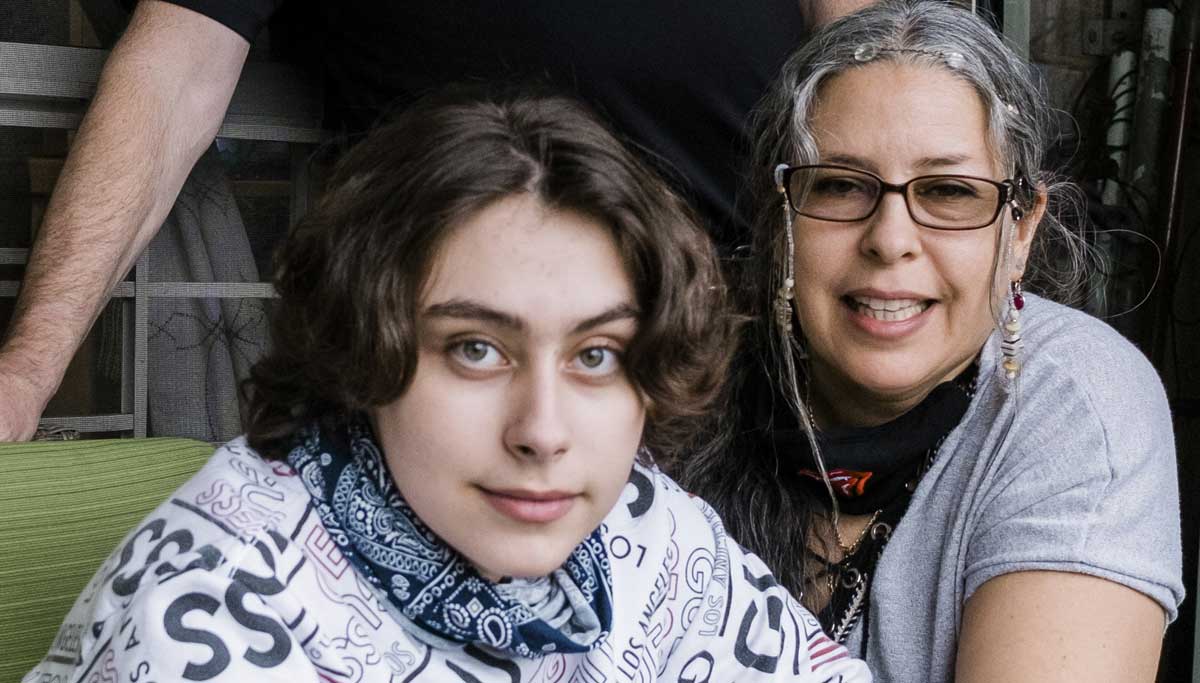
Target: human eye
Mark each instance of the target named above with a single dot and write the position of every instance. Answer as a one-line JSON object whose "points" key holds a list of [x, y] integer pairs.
{"points": [[476, 354], [597, 361], [840, 186], [948, 189]]}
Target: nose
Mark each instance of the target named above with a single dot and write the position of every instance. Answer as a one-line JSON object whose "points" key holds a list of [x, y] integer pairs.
{"points": [[891, 235], [537, 425]]}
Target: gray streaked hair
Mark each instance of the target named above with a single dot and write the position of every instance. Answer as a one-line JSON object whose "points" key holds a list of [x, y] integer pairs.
{"points": [[938, 35], [740, 473]]}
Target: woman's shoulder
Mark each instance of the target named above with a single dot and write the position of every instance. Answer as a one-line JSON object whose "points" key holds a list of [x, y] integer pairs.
{"points": [[1056, 336], [1088, 414], [1073, 467], [1069, 355]]}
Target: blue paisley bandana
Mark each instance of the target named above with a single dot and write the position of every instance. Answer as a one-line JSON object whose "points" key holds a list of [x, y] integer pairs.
{"points": [[427, 581]]}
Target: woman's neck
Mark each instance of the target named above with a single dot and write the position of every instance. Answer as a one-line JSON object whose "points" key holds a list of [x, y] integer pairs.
{"points": [[836, 402]]}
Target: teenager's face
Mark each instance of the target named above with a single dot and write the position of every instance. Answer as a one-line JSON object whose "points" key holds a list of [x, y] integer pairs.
{"points": [[520, 426]]}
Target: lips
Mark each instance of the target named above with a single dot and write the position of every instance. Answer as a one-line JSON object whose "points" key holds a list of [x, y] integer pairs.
{"points": [[530, 507], [887, 316], [887, 309]]}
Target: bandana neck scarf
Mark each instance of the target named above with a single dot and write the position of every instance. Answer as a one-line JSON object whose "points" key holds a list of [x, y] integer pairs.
{"points": [[429, 583], [872, 467]]}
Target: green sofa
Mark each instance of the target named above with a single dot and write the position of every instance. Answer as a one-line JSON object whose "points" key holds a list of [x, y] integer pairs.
{"points": [[64, 506]]}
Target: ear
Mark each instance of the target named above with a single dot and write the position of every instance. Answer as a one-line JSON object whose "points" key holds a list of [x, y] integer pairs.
{"points": [[1024, 230], [648, 403]]}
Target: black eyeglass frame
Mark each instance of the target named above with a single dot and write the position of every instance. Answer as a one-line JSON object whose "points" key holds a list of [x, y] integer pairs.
{"points": [[1009, 189]]}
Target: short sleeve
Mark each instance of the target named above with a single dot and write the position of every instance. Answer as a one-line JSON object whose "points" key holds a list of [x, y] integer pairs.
{"points": [[1085, 480], [246, 17]]}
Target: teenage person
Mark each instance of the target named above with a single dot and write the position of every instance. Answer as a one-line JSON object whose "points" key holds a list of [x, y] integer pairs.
{"points": [[487, 330]]}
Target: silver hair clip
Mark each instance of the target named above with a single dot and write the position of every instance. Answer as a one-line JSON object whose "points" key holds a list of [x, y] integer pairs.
{"points": [[868, 52]]}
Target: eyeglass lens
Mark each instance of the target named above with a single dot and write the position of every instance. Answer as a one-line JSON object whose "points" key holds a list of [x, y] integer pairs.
{"points": [[943, 201]]}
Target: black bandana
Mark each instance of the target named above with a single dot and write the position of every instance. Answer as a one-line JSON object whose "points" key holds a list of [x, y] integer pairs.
{"points": [[871, 466], [874, 470]]}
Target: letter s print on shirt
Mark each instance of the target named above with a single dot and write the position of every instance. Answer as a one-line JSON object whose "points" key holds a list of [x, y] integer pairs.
{"points": [[141, 542], [173, 625]]}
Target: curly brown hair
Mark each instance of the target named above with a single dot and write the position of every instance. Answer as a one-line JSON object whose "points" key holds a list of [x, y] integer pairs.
{"points": [[351, 274]]}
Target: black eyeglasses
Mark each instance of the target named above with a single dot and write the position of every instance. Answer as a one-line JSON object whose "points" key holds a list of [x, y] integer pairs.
{"points": [[942, 202]]}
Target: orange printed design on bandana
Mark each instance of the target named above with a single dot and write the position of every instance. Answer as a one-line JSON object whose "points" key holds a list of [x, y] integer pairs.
{"points": [[849, 483]]}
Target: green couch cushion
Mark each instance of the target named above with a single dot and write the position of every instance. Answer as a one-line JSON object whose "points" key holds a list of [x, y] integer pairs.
{"points": [[64, 506]]}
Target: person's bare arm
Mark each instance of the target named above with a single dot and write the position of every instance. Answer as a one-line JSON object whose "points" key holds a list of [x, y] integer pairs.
{"points": [[160, 101], [818, 12], [1056, 626]]}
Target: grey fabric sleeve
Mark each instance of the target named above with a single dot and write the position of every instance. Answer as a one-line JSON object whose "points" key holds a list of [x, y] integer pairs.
{"points": [[1087, 483]]}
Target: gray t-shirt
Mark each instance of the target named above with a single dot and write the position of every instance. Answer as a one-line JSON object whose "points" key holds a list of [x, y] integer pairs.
{"points": [[1083, 480]]}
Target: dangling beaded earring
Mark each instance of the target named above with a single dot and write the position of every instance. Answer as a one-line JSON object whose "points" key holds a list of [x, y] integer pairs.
{"points": [[786, 291], [1011, 345]]}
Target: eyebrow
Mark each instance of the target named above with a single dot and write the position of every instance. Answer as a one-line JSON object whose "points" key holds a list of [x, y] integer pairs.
{"points": [[940, 161], [466, 309], [621, 311], [922, 163], [848, 160]]}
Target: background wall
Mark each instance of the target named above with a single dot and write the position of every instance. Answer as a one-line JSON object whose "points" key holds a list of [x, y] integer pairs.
{"points": [[1153, 263]]}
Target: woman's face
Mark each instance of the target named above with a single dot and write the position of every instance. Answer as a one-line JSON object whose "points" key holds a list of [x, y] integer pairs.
{"points": [[520, 426], [890, 308]]}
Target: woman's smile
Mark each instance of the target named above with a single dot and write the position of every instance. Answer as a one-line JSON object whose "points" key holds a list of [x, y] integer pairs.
{"points": [[887, 315], [888, 310]]}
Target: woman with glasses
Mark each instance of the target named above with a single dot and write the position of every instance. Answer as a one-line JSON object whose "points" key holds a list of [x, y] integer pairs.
{"points": [[965, 480]]}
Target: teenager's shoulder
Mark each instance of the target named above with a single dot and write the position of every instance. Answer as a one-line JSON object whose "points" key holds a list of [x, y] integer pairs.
{"points": [[240, 490], [235, 500], [650, 491], [223, 534], [705, 609], [654, 507]]}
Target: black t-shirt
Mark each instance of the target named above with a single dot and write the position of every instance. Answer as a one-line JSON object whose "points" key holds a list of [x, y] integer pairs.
{"points": [[677, 78]]}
